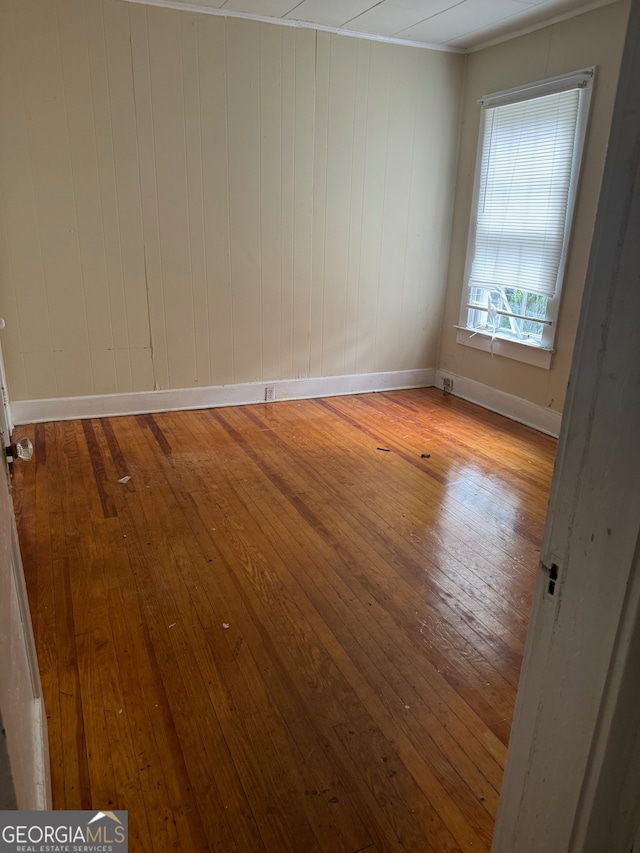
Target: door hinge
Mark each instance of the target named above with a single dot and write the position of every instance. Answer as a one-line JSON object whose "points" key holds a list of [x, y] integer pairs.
{"points": [[552, 572]]}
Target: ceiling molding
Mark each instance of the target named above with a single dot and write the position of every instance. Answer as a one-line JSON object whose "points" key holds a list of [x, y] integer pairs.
{"points": [[289, 22], [200, 8], [532, 28]]}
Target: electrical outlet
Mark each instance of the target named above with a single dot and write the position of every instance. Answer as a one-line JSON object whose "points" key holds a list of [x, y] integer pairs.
{"points": [[447, 385], [269, 393]]}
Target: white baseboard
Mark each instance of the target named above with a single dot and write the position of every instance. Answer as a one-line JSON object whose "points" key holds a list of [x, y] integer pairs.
{"points": [[146, 402], [516, 408], [39, 797]]}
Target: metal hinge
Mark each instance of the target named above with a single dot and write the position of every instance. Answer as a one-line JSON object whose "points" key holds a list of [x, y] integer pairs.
{"points": [[552, 572]]}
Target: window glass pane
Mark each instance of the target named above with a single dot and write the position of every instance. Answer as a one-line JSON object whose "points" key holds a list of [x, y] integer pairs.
{"points": [[524, 191], [512, 307], [529, 153], [536, 306]]}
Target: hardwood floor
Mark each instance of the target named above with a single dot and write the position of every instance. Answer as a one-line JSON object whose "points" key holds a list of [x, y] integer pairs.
{"points": [[297, 627]]}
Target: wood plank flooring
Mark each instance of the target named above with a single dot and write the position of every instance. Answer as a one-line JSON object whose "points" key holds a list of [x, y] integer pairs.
{"points": [[298, 626]]}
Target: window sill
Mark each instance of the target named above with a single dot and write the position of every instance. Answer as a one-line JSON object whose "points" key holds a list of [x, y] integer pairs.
{"points": [[516, 350]]}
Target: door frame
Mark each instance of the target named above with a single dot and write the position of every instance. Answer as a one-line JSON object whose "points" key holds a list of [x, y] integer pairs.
{"points": [[21, 703], [572, 778]]}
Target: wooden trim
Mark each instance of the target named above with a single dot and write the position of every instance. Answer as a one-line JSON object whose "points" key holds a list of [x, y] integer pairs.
{"points": [[198, 8], [146, 402], [518, 409], [481, 340], [40, 795], [23, 714], [540, 25]]}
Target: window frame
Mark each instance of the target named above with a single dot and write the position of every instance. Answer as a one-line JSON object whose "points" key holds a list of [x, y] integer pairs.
{"points": [[531, 351]]}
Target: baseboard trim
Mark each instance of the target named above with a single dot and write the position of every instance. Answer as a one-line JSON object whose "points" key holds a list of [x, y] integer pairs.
{"points": [[214, 396], [516, 408], [42, 798], [147, 402]]}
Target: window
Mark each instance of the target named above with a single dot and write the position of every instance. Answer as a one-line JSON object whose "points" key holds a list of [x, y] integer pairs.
{"points": [[529, 153]]}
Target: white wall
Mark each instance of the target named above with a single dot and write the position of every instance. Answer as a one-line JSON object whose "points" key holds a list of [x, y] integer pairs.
{"points": [[188, 200], [595, 38]]}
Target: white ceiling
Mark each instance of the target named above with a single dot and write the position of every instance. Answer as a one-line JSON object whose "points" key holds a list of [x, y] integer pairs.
{"points": [[450, 24]]}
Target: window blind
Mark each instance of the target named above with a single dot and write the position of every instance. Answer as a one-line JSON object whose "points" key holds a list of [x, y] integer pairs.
{"points": [[525, 181]]}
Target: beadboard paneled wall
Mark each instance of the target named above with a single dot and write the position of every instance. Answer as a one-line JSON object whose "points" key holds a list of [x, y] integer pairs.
{"points": [[188, 200]]}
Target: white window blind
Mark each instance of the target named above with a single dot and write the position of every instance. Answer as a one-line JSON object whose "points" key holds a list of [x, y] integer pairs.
{"points": [[524, 192]]}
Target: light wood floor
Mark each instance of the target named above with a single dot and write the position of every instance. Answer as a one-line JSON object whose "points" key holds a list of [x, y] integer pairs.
{"points": [[289, 630]]}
